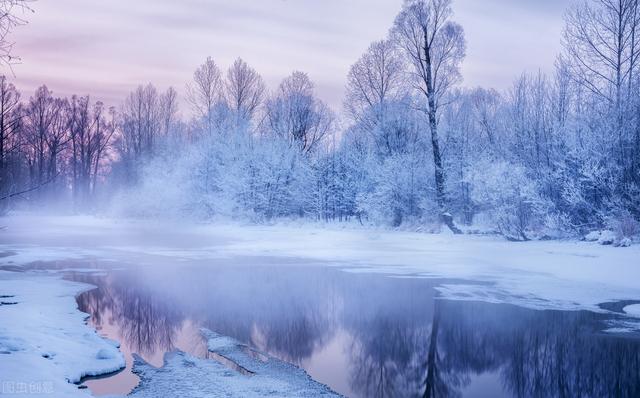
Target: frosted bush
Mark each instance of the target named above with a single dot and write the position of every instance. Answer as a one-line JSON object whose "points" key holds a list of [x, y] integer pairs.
{"points": [[624, 225], [510, 197]]}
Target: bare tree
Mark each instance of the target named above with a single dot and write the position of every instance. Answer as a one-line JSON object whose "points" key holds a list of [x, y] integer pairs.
{"points": [[244, 90], [296, 114], [140, 125], [104, 129], [10, 17], [435, 46], [602, 46], [374, 80], [168, 110], [602, 49], [91, 133], [45, 134], [10, 117], [141, 122], [205, 92]]}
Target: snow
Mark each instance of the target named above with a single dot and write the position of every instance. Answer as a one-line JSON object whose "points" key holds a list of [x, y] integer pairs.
{"points": [[186, 376], [624, 242], [607, 237], [632, 310], [592, 236], [44, 343]]}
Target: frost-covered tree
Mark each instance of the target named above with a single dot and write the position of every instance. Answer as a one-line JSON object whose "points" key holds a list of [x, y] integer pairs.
{"points": [[375, 80], [244, 90], [205, 92], [296, 114], [435, 47], [602, 50]]}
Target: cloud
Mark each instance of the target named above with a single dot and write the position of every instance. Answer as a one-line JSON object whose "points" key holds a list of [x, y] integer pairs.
{"points": [[108, 48]]}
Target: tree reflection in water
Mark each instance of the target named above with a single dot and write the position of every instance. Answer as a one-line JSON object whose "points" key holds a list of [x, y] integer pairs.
{"points": [[146, 320], [402, 341]]}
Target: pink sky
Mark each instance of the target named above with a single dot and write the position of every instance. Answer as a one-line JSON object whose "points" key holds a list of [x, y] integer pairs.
{"points": [[106, 48]]}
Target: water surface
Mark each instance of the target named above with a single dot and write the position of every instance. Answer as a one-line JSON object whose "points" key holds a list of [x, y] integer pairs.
{"points": [[363, 335]]}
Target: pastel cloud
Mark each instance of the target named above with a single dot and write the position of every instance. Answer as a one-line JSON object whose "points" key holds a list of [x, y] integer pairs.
{"points": [[107, 48]]}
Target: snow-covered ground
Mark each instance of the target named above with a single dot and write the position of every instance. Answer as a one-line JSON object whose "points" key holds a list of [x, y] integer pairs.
{"points": [[550, 274], [45, 346], [185, 376]]}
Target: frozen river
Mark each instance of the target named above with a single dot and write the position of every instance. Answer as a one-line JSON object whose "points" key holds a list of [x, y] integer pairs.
{"points": [[222, 310], [361, 334]]}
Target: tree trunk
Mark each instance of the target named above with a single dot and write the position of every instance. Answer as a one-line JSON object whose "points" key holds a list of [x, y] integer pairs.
{"points": [[437, 155]]}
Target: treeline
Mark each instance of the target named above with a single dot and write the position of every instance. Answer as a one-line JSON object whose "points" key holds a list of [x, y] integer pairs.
{"points": [[554, 155]]}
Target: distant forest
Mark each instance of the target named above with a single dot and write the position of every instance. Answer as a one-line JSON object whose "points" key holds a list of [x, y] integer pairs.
{"points": [[554, 156]]}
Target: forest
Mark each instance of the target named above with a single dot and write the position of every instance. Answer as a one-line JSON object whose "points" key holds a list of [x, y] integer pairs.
{"points": [[555, 156]]}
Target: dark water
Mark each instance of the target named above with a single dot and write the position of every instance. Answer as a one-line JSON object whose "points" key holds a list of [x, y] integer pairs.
{"points": [[363, 335]]}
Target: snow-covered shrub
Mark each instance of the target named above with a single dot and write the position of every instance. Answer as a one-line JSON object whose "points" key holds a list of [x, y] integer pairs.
{"points": [[164, 190], [510, 197], [232, 174], [270, 181], [558, 226], [337, 180], [607, 237], [624, 225], [626, 242], [399, 184], [592, 236]]}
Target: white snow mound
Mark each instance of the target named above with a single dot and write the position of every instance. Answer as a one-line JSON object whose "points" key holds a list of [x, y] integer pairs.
{"points": [[186, 376], [45, 344]]}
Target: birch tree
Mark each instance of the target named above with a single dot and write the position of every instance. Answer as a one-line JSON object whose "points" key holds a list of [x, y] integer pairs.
{"points": [[435, 47]]}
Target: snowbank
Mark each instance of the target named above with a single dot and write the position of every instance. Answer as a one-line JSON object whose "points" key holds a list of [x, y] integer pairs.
{"points": [[186, 376], [632, 310], [45, 344]]}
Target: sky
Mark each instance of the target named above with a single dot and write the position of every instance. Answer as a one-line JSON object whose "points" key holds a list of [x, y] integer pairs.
{"points": [[107, 48]]}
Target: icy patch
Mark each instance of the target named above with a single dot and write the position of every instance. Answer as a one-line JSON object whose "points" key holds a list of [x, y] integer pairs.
{"points": [[632, 310], [621, 326], [186, 376], [20, 255], [46, 343]]}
